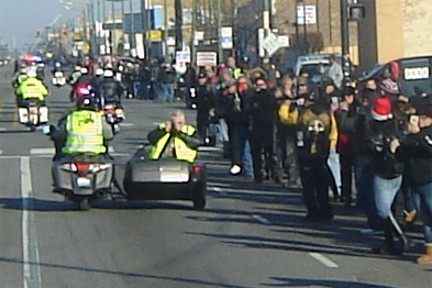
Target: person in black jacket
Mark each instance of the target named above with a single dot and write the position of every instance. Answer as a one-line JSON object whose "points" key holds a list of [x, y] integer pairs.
{"points": [[205, 102], [345, 118], [110, 89], [263, 106], [387, 172], [416, 150], [230, 107]]}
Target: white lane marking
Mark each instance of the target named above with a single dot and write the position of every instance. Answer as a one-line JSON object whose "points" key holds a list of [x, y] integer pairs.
{"points": [[31, 268], [2, 129], [323, 260], [218, 191], [209, 149], [51, 151], [127, 124], [1, 152], [42, 151], [41, 156], [260, 219]]}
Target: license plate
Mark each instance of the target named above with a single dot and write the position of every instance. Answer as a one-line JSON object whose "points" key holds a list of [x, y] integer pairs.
{"points": [[174, 178], [83, 182]]}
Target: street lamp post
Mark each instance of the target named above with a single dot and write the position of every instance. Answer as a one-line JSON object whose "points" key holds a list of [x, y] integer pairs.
{"points": [[132, 26], [345, 40]]}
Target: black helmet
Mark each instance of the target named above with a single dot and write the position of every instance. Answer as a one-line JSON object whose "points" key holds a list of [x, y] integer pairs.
{"points": [[87, 103]]}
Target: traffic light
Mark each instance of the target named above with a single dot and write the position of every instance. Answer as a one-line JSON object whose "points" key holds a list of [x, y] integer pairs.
{"points": [[356, 12]]}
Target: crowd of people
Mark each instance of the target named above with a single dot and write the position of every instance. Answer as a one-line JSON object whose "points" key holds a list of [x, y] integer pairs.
{"points": [[318, 137], [323, 137]]}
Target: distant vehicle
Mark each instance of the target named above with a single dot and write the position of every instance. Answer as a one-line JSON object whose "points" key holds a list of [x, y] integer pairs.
{"points": [[316, 65], [414, 72]]}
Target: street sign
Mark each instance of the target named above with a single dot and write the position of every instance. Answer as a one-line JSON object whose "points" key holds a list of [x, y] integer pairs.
{"points": [[154, 35], [306, 13], [226, 38], [206, 59], [271, 43], [283, 41]]}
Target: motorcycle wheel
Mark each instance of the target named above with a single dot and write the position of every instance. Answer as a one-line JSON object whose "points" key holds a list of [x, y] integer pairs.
{"points": [[84, 204]]}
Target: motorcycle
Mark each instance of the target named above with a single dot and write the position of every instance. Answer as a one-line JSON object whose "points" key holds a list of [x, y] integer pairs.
{"points": [[59, 79], [80, 91], [32, 113], [83, 178]]}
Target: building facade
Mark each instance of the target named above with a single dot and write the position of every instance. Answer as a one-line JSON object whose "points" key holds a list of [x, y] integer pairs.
{"points": [[394, 29]]}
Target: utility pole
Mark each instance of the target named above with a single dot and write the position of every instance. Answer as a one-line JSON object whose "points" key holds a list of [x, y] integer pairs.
{"points": [[305, 40], [266, 21], [166, 29], [219, 26], [132, 26], [345, 40], [192, 44], [178, 25], [113, 30]]}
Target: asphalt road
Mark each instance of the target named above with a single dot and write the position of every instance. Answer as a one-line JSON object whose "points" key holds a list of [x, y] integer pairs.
{"points": [[250, 235]]}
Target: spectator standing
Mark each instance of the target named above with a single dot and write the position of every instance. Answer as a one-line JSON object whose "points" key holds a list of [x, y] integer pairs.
{"points": [[345, 118], [263, 111], [316, 133], [387, 172], [335, 72]]}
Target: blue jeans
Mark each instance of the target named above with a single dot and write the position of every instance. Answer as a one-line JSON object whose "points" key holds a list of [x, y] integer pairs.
{"points": [[159, 92], [423, 199], [365, 195], [246, 152], [385, 191], [169, 92]]}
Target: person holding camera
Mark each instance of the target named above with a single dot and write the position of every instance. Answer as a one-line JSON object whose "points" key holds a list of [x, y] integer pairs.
{"points": [[387, 172], [416, 150], [174, 138], [316, 134]]}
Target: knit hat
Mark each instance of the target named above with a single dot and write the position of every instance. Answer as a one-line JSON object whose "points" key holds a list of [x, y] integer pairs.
{"points": [[382, 110]]}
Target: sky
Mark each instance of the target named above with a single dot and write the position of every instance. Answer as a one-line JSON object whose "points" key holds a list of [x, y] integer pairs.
{"points": [[21, 18]]}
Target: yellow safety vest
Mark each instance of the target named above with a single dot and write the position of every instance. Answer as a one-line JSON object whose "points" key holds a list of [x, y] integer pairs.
{"points": [[32, 88], [84, 133], [182, 151], [237, 73]]}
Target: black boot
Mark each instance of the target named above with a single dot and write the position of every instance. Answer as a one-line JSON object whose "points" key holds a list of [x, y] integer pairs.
{"points": [[404, 239], [388, 247]]}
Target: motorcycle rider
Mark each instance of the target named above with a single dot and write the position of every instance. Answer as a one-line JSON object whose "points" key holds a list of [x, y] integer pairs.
{"points": [[31, 88], [85, 79], [76, 74], [110, 89], [175, 138], [82, 131]]}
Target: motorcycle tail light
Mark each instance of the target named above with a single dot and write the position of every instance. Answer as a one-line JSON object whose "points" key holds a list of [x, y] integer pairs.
{"points": [[197, 169], [83, 166]]}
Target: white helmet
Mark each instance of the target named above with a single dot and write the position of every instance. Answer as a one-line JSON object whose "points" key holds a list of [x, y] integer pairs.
{"points": [[108, 73], [84, 70], [32, 73], [99, 72]]}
